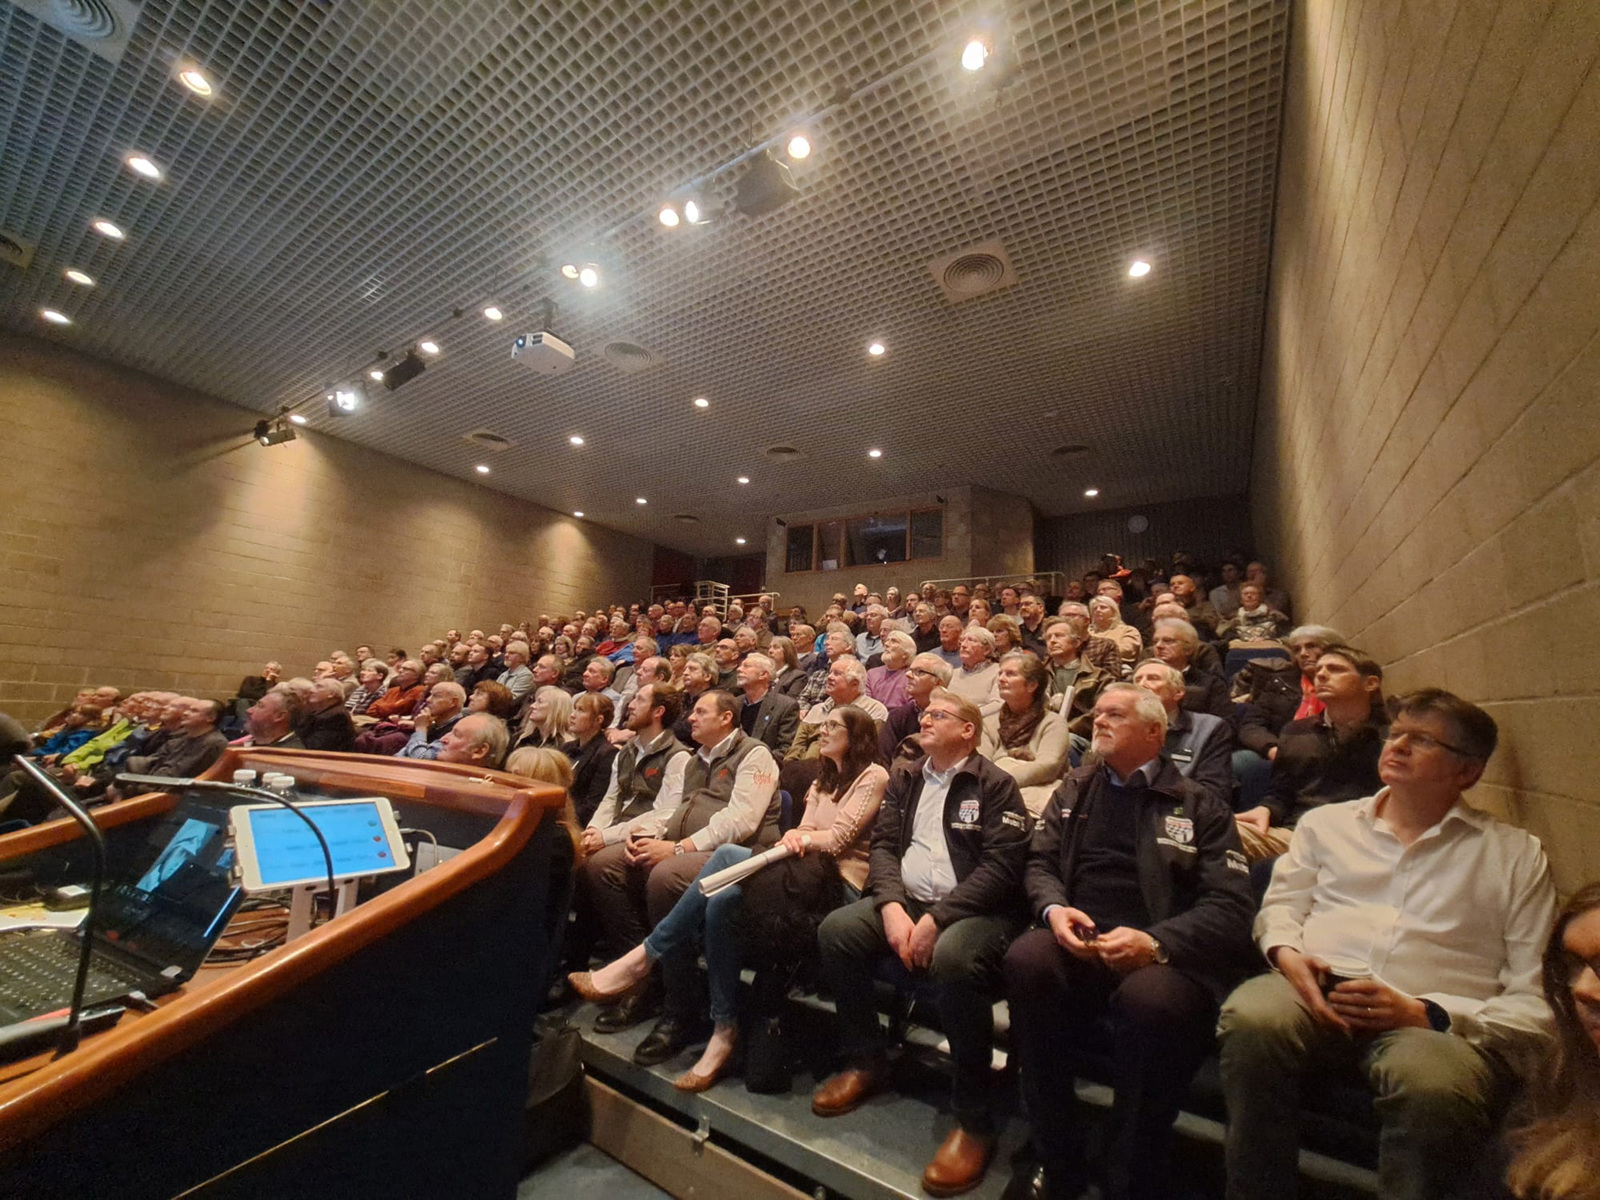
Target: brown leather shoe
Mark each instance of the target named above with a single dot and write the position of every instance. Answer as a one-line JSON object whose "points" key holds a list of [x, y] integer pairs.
{"points": [[845, 1091], [959, 1164]]}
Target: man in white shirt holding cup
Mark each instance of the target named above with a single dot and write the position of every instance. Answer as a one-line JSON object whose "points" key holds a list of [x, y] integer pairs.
{"points": [[1405, 932]]}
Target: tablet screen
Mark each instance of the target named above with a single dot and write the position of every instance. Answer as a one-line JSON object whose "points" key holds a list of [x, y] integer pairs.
{"points": [[286, 851]]}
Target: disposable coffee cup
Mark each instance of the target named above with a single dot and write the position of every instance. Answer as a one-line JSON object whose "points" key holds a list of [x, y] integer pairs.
{"points": [[1344, 970]]}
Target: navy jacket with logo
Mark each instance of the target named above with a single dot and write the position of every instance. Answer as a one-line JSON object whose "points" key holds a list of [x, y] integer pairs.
{"points": [[1192, 872], [986, 853]]}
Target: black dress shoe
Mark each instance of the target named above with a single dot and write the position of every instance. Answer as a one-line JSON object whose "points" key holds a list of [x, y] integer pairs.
{"points": [[638, 1005], [670, 1035]]}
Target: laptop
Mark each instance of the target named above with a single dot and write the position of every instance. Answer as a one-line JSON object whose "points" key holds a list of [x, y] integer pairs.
{"points": [[152, 930]]}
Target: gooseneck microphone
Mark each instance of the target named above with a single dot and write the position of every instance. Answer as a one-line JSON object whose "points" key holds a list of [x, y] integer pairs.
{"points": [[71, 1031]]}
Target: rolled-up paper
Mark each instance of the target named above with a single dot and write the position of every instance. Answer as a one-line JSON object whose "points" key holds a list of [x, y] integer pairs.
{"points": [[714, 883]]}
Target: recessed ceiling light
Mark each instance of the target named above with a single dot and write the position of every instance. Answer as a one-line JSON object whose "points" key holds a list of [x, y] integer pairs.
{"points": [[1138, 268], [107, 228], [874, 453], [876, 349], [493, 313], [54, 317], [428, 347], [691, 212], [589, 276], [974, 54], [738, 541], [578, 513], [668, 216], [141, 164], [482, 468], [1091, 492], [799, 146], [744, 479], [570, 270], [576, 440], [640, 500], [375, 375], [297, 418], [196, 81], [701, 402], [79, 277]]}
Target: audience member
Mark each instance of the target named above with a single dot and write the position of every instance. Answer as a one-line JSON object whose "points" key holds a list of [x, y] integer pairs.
{"points": [[590, 752], [492, 698], [926, 633], [976, 675], [949, 647], [788, 677], [836, 644], [1074, 682], [1021, 735], [477, 740], [194, 743], [886, 683], [517, 677], [870, 640], [273, 719], [944, 866], [1225, 596], [253, 687], [846, 686], [1255, 620], [404, 694], [1100, 652], [1323, 759], [545, 722], [439, 716], [1030, 619], [1007, 634], [1144, 904], [1198, 744], [1176, 643], [1274, 597], [766, 714], [900, 737], [1404, 930], [1105, 620], [326, 724]]}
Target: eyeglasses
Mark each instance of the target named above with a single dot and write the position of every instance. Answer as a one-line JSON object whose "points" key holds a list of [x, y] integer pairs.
{"points": [[939, 714], [833, 724], [1423, 742], [918, 671]]}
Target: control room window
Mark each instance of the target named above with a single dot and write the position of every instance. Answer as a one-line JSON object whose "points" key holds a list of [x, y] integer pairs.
{"points": [[798, 557], [879, 539], [927, 533]]}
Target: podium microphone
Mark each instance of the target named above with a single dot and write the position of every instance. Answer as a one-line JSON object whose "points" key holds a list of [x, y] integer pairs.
{"points": [[71, 1032]]}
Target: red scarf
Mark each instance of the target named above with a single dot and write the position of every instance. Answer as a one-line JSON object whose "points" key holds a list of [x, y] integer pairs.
{"points": [[1310, 706]]}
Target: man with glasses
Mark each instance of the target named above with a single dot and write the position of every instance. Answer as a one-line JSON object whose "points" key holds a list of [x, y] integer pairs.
{"points": [[1324, 759], [926, 672], [1405, 932], [942, 901]]}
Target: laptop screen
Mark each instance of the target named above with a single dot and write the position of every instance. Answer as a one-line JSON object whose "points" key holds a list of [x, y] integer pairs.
{"points": [[177, 904]]}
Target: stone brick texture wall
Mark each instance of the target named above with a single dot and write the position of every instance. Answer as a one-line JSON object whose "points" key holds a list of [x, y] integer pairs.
{"points": [[1425, 463], [147, 541]]}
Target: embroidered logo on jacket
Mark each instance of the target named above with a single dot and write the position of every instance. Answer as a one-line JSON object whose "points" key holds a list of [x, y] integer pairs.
{"points": [[968, 812], [1180, 830]]}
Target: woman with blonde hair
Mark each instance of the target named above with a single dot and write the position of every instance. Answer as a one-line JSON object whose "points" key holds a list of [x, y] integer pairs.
{"points": [[546, 723], [544, 764]]}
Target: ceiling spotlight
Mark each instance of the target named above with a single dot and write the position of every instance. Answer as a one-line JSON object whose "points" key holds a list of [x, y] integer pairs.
{"points": [[738, 541], [799, 146], [482, 468], [668, 216], [273, 433], [765, 187], [570, 270], [54, 317], [78, 277], [874, 453], [404, 371], [701, 402], [578, 512], [107, 228], [974, 54], [640, 500], [1138, 268], [493, 313], [744, 479], [876, 349], [576, 440], [429, 348], [375, 375], [1091, 492], [345, 399], [297, 418], [141, 164], [589, 275], [196, 81], [692, 213]]}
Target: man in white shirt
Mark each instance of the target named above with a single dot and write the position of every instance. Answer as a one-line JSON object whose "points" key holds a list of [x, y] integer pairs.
{"points": [[516, 676], [943, 898], [870, 640], [1405, 932]]}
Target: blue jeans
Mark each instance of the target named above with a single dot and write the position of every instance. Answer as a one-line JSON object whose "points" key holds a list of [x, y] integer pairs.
{"points": [[1254, 774], [713, 921]]}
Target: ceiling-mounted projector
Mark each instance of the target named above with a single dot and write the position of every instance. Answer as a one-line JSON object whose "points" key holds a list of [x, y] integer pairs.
{"points": [[544, 353]]}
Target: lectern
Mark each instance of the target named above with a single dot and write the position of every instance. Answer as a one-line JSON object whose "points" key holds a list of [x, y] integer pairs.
{"points": [[383, 1055]]}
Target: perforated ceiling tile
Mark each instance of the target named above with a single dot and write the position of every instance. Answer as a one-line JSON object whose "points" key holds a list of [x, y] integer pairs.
{"points": [[365, 171]]}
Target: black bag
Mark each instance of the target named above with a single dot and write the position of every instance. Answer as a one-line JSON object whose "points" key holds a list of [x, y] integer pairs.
{"points": [[555, 1117], [783, 905]]}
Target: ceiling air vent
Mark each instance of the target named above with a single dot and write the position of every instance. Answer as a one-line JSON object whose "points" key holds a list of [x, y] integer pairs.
{"points": [[686, 518], [101, 25], [783, 453], [975, 271], [1069, 451], [488, 439], [15, 250], [627, 357]]}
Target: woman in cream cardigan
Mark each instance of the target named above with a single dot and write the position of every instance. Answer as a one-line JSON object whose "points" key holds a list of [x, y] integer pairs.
{"points": [[1023, 737], [1105, 620]]}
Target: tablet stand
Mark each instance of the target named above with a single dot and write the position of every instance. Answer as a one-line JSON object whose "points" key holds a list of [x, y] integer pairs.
{"points": [[302, 906]]}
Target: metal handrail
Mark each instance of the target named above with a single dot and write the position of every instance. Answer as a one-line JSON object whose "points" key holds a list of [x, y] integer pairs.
{"points": [[1054, 583]]}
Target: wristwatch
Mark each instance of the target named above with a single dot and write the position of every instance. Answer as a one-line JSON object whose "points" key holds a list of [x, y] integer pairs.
{"points": [[1160, 951], [1438, 1018], [677, 849]]}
